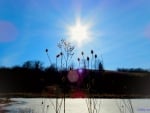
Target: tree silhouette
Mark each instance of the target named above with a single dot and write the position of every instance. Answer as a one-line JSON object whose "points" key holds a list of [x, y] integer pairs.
{"points": [[33, 65], [100, 66], [27, 64]]}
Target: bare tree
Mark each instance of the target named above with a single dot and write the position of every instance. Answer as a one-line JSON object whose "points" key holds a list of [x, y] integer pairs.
{"points": [[33, 65]]}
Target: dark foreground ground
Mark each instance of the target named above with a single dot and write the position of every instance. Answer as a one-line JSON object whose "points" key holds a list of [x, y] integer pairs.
{"points": [[74, 84]]}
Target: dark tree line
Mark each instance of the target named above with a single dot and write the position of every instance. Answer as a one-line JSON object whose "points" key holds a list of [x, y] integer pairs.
{"points": [[33, 77], [30, 77], [138, 70]]}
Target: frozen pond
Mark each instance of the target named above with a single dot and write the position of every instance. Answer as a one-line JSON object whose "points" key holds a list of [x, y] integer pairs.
{"points": [[41, 105]]}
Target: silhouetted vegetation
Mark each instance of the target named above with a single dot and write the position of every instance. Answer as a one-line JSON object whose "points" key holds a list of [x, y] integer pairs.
{"points": [[31, 77], [138, 70], [90, 77]]}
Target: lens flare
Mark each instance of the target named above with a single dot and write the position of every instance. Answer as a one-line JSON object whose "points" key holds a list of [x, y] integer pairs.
{"points": [[73, 76], [80, 71]]}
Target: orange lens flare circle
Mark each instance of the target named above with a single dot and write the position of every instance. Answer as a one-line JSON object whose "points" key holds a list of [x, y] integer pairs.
{"points": [[73, 76]]}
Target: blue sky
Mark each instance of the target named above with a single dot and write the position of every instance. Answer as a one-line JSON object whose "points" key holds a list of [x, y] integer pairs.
{"points": [[120, 30]]}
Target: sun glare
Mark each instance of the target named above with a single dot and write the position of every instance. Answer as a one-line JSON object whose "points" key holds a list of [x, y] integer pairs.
{"points": [[79, 33]]}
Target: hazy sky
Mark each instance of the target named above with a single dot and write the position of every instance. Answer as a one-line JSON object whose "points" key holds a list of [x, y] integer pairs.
{"points": [[119, 30]]}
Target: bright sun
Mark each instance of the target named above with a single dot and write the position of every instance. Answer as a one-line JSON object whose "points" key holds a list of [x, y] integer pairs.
{"points": [[79, 33]]}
